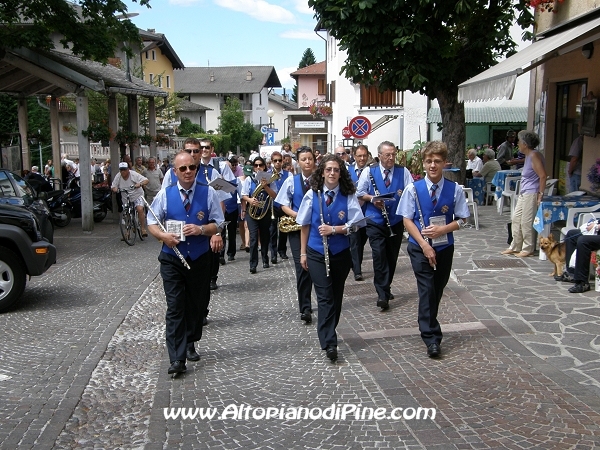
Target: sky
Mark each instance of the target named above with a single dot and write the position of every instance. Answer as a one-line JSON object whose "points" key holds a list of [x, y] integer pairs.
{"points": [[235, 32]]}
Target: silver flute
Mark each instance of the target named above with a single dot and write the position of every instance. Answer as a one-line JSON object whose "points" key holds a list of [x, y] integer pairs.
{"points": [[164, 230], [421, 220], [325, 242], [384, 210]]}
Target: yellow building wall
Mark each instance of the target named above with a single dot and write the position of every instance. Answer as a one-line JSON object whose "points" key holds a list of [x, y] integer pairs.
{"points": [[162, 65]]}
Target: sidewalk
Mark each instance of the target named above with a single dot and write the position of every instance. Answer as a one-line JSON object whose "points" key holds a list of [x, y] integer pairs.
{"points": [[520, 365]]}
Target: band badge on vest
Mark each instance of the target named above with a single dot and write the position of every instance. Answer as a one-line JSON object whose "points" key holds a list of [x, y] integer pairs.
{"points": [[445, 209], [341, 215], [200, 215], [399, 192]]}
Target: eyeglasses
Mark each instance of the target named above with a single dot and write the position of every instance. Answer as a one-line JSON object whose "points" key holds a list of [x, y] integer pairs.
{"points": [[192, 167], [332, 169], [189, 150], [276, 160], [205, 147], [429, 162], [387, 155], [259, 165]]}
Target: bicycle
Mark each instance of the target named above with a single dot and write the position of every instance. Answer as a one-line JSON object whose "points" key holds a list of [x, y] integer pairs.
{"points": [[130, 222]]}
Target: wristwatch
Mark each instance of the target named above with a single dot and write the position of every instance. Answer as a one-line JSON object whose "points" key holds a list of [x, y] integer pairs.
{"points": [[218, 233]]}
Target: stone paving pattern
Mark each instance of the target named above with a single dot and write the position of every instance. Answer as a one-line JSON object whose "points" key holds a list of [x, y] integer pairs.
{"points": [[85, 353]]}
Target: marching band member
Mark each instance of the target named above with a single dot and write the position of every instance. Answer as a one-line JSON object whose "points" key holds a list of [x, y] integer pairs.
{"points": [[258, 226], [438, 209], [278, 242], [327, 221], [289, 198], [359, 238], [384, 226]]}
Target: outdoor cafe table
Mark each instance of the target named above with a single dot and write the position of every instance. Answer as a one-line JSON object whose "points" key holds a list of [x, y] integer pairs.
{"points": [[478, 186], [500, 179]]}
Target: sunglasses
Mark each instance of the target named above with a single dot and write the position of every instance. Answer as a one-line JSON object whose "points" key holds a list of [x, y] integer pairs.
{"points": [[206, 147], [189, 150], [259, 165], [192, 167], [276, 160]]}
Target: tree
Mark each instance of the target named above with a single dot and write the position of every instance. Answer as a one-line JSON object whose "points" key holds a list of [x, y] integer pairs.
{"points": [[187, 128], [308, 59], [92, 29], [424, 46], [233, 124]]}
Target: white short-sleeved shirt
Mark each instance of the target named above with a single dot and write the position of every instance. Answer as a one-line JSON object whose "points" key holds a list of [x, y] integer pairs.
{"points": [[407, 205], [305, 212]]}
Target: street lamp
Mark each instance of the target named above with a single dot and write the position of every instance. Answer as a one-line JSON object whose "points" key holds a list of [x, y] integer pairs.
{"points": [[270, 113]]}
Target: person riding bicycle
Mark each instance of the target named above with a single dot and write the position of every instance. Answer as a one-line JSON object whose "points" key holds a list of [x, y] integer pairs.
{"points": [[123, 181]]}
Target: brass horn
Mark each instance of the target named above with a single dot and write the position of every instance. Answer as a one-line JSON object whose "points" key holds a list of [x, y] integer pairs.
{"points": [[264, 199]]}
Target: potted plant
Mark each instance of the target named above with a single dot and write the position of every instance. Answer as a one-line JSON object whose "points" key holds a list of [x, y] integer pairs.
{"points": [[318, 110], [124, 137], [98, 132], [146, 139]]}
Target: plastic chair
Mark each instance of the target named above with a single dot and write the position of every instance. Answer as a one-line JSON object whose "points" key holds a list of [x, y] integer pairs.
{"points": [[507, 192], [490, 192], [550, 186], [513, 198], [471, 202], [576, 213]]}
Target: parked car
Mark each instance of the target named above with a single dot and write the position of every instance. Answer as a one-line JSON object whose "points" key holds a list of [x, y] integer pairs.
{"points": [[26, 236]]}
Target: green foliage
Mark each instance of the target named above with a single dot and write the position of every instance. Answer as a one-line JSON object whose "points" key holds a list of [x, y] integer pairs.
{"points": [[38, 119], [241, 133], [412, 159], [187, 128], [308, 59], [91, 29], [98, 131]]}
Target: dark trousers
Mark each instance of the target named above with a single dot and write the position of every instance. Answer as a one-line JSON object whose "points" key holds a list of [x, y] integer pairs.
{"points": [[303, 280], [187, 293], [585, 245], [278, 243], [229, 234], [385, 255], [329, 290], [357, 249], [256, 228], [430, 286]]}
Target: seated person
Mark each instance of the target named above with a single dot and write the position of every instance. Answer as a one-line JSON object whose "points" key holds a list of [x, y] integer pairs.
{"points": [[585, 244], [490, 166], [37, 181], [474, 163]]}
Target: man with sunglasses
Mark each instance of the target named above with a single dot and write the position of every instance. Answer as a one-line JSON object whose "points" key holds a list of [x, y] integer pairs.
{"points": [[187, 291], [123, 181], [278, 242]]}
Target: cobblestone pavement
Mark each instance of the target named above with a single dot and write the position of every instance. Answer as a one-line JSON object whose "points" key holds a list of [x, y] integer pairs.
{"points": [[85, 353]]}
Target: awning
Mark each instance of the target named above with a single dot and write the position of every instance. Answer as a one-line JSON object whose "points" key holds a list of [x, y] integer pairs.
{"points": [[498, 81]]}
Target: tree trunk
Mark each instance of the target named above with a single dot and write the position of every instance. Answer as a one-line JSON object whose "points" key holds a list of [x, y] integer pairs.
{"points": [[453, 127]]}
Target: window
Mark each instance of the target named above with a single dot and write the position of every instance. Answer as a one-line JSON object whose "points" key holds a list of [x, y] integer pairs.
{"points": [[322, 89], [6, 187], [146, 55], [331, 92], [371, 97], [168, 81], [160, 81], [153, 55], [151, 77]]}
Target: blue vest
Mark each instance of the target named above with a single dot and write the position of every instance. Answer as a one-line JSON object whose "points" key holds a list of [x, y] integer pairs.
{"points": [[396, 186], [355, 178], [231, 203], [201, 176], [279, 183], [334, 214], [299, 192], [193, 246], [445, 202]]}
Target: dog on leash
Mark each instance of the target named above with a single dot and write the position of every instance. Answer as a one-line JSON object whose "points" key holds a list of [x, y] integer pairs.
{"points": [[555, 252]]}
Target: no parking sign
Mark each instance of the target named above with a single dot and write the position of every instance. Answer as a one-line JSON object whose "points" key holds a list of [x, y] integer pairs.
{"points": [[360, 127]]}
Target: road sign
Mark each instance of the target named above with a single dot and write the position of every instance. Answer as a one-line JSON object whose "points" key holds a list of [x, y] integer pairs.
{"points": [[346, 132], [272, 130], [264, 129], [270, 138], [360, 127]]}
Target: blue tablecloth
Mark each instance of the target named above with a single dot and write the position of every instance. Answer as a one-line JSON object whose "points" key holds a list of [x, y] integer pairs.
{"points": [[500, 179], [478, 186], [554, 208]]}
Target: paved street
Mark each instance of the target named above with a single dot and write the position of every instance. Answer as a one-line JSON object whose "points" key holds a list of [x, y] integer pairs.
{"points": [[83, 362]]}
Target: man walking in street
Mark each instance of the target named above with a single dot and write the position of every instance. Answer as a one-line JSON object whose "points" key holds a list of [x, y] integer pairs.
{"points": [[358, 239], [155, 178], [278, 242]]}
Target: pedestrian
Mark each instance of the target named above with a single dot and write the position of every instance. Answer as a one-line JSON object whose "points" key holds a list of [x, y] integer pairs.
{"points": [[186, 290], [327, 213], [155, 178], [505, 150], [430, 222]]}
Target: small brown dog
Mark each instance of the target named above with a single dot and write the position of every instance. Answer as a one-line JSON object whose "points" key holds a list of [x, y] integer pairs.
{"points": [[555, 252]]}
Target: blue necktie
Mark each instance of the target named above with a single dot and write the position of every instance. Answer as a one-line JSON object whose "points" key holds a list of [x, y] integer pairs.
{"points": [[386, 180], [330, 195], [186, 199], [433, 198]]}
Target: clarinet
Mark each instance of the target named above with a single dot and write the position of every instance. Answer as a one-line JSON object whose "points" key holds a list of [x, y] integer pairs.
{"points": [[421, 220], [325, 243], [384, 210], [163, 229]]}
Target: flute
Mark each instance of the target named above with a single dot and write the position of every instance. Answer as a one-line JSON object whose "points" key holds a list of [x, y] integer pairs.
{"points": [[421, 220], [325, 243], [164, 230]]}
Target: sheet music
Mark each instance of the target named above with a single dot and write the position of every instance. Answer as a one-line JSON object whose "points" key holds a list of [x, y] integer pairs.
{"points": [[175, 227], [439, 221], [220, 184]]}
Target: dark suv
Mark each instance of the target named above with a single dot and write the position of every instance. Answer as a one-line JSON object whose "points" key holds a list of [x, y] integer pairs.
{"points": [[26, 236]]}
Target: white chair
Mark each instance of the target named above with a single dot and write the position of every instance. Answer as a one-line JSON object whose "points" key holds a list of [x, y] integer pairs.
{"points": [[489, 194], [471, 202], [550, 186], [513, 199], [507, 193], [575, 214]]}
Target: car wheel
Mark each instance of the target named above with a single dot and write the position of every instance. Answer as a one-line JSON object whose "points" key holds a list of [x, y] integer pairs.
{"points": [[12, 278]]}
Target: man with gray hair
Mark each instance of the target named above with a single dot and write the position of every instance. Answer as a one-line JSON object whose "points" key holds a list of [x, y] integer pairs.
{"points": [[474, 162], [490, 166]]}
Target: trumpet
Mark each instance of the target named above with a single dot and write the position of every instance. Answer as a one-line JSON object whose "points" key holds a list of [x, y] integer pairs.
{"points": [[265, 202], [384, 210], [325, 242]]}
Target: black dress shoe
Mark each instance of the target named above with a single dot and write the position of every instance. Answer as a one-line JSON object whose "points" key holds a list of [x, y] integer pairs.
{"points": [[383, 304], [306, 316], [177, 367], [273, 260], [265, 265], [191, 354], [222, 260], [247, 249], [580, 288], [358, 277], [213, 285], [231, 258], [434, 350], [332, 352], [283, 256], [252, 269], [566, 277]]}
